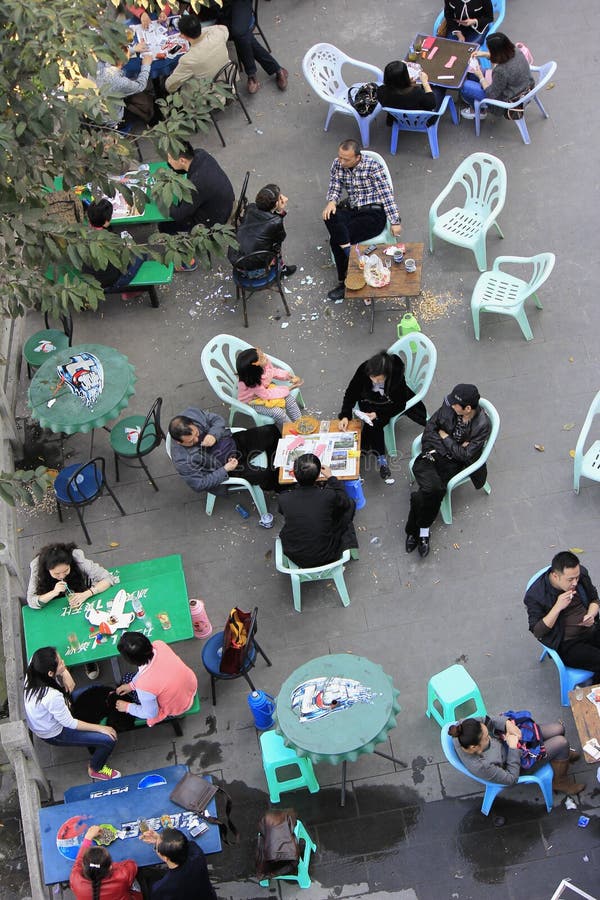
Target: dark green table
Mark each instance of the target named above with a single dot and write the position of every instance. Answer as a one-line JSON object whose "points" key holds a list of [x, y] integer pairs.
{"points": [[162, 588], [355, 727], [69, 414]]}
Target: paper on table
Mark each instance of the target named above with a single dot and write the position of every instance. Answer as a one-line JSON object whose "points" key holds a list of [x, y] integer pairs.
{"points": [[592, 748]]}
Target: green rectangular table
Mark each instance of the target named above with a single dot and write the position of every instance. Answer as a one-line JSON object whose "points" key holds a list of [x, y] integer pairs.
{"points": [[160, 584]]}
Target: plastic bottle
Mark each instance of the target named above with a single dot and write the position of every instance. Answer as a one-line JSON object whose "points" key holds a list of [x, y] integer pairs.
{"points": [[242, 511], [136, 605]]}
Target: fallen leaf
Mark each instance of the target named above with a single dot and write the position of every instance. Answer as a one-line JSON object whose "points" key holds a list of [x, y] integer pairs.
{"points": [[268, 554], [571, 359], [539, 447], [114, 544], [19, 530], [572, 454], [576, 550], [569, 427], [456, 546]]}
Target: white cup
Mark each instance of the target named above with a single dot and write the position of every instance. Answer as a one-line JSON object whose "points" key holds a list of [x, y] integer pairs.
{"points": [[410, 265]]}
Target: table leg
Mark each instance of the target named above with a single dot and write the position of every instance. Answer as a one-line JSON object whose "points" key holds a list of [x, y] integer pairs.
{"points": [[391, 758], [92, 443], [343, 796], [372, 315], [116, 668]]}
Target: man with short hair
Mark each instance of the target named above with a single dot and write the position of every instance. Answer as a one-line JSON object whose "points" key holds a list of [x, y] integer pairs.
{"points": [[363, 214], [318, 518], [187, 873], [562, 607], [262, 226], [207, 53], [454, 437], [212, 200], [99, 215]]}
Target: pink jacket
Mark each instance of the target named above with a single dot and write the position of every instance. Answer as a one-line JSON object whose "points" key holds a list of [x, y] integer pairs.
{"points": [[172, 682], [263, 391]]}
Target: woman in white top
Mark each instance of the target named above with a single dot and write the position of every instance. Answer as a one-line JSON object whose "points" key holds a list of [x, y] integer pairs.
{"points": [[62, 569], [49, 689]]}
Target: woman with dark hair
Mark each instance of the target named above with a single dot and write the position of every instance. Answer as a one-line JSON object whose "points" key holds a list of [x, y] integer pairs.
{"points": [[164, 685], [95, 876], [488, 747], [379, 390], [62, 570], [509, 77], [51, 710], [262, 227], [399, 91], [256, 387], [187, 873], [468, 20]]}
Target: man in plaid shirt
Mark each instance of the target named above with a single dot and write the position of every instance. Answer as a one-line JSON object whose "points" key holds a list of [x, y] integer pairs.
{"points": [[362, 216]]}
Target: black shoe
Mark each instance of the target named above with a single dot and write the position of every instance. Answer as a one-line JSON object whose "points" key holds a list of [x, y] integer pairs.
{"points": [[338, 292], [386, 474], [287, 271], [423, 547], [411, 543]]}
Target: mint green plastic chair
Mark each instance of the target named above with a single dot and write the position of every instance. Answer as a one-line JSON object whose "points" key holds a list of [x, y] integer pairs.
{"points": [[588, 463], [483, 179], [302, 876], [465, 474], [333, 570], [450, 689], [420, 359], [218, 362], [275, 755], [500, 292]]}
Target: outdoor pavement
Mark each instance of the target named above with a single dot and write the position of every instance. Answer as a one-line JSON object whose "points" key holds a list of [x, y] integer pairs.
{"points": [[410, 831]]}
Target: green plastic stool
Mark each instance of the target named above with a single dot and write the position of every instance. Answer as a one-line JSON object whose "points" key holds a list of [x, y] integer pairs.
{"points": [[302, 876], [275, 756], [451, 688]]}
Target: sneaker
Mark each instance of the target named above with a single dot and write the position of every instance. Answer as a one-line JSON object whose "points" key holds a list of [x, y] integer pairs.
{"points": [[287, 271], [386, 473], [266, 521], [468, 113], [338, 292], [105, 773], [92, 670], [187, 267]]}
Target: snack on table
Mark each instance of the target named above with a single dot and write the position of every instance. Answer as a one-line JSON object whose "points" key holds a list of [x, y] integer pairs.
{"points": [[306, 425], [106, 835], [355, 281]]}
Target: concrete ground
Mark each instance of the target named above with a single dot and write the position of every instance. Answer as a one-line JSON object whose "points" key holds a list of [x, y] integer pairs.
{"points": [[412, 831]]}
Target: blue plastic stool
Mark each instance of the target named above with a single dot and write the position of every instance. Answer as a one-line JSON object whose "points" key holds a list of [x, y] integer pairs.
{"points": [[275, 756], [451, 688], [354, 489]]}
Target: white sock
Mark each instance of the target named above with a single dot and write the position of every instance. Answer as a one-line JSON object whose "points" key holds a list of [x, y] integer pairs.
{"points": [[423, 532]]}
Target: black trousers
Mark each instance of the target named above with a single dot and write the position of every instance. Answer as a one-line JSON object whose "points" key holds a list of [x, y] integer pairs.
{"points": [[432, 478], [352, 226], [239, 19], [262, 439], [584, 651]]}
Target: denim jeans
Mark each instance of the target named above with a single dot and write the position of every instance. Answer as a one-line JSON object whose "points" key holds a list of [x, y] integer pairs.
{"points": [[472, 90], [99, 745]]}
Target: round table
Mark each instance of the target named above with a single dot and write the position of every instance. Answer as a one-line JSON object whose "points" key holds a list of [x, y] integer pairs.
{"points": [[351, 725], [69, 414]]}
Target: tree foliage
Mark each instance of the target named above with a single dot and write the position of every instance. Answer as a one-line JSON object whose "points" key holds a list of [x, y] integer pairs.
{"points": [[52, 125]]}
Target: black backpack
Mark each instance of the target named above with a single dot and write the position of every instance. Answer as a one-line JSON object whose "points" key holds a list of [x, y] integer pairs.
{"points": [[363, 98]]}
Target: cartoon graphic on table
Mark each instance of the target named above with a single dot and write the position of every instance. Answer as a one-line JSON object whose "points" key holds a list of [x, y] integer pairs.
{"points": [[69, 836], [84, 376], [318, 697]]}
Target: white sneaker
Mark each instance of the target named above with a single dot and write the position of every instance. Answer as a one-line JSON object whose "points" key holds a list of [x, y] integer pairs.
{"points": [[468, 113]]}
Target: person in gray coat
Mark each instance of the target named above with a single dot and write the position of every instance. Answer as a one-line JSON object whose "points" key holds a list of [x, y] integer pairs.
{"points": [[510, 76]]}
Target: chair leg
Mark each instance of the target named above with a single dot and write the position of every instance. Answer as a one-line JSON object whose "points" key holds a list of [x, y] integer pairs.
{"points": [[522, 126], [147, 471], [82, 523], [239, 100], [498, 229], [245, 308], [59, 511], [433, 140], [523, 321], [389, 436], [258, 496], [475, 314], [210, 503], [338, 578], [446, 508], [539, 103], [176, 723], [117, 474], [154, 301], [214, 121], [249, 680], [117, 504], [262, 653], [212, 686], [296, 592], [394, 139], [282, 295], [491, 792], [537, 301], [480, 253]]}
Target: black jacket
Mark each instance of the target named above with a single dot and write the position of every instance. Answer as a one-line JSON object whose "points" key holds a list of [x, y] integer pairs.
{"points": [[541, 597], [482, 10], [316, 522], [476, 432], [212, 201], [189, 881], [260, 230], [396, 393]]}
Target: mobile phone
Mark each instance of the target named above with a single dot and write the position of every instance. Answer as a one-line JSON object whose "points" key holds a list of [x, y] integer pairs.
{"points": [[370, 248], [198, 829]]}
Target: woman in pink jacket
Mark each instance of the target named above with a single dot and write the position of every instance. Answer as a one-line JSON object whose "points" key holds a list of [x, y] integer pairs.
{"points": [[255, 386]]}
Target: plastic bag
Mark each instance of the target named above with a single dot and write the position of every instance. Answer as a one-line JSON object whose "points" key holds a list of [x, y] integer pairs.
{"points": [[376, 272]]}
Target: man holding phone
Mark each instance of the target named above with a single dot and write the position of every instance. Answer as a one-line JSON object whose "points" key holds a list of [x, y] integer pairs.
{"points": [[562, 606], [468, 20]]}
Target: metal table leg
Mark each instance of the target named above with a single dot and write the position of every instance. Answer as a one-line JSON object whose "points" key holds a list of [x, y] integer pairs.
{"points": [[343, 797]]}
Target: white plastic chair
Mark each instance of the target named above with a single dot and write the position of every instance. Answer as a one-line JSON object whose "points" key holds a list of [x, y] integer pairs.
{"points": [[333, 570], [588, 463], [464, 474], [546, 73], [234, 483], [483, 179], [322, 68], [500, 292], [218, 362], [420, 359]]}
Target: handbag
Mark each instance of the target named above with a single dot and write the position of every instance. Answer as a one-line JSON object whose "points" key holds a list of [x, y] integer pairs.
{"points": [[277, 848], [195, 793], [235, 638], [363, 98], [530, 745]]}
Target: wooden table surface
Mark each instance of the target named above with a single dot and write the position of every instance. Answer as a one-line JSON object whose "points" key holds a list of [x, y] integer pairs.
{"points": [[402, 283], [436, 66], [586, 717], [354, 425]]}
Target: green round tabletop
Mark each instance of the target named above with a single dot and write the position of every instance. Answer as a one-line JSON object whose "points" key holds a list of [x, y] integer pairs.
{"points": [[69, 414], [349, 731]]}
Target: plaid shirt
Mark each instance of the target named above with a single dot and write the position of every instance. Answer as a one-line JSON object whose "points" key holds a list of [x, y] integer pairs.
{"points": [[366, 183]]}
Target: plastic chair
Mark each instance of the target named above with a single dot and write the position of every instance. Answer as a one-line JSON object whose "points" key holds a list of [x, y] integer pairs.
{"points": [[569, 678], [483, 178], [452, 688], [421, 121], [588, 463], [301, 876], [464, 474], [420, 358], [150, 435], [213, 648], [79, 485], [259, 271], [322, 68], [275, 755], [500, 292], [227, 74], [333, 570], [218, 362], [499, 7], [546, 73], [234, 483], [542, 776], [37, 348], [256, 27]]}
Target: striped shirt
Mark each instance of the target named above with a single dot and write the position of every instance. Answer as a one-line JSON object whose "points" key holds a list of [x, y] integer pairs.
{"points": [[366, 183]]}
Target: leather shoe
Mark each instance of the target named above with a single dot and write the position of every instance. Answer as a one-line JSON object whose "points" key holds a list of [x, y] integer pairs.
{"points": [[574, 756], [411, 543], [287, 271], [337, 293], [423, 547], [282, 79], [253, 85]]}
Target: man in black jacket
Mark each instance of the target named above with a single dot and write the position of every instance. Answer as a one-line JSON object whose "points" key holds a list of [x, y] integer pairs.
{"points": [[318, 520], [562, 607], [454, 437], [187, 873], [262, 227]]}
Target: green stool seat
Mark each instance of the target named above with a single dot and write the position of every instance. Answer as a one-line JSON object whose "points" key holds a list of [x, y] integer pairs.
{"points": [[450, 689], [123, 446], [44, 343], [275, 756], [301, 876]]}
